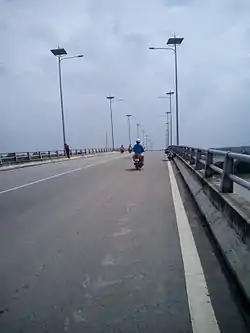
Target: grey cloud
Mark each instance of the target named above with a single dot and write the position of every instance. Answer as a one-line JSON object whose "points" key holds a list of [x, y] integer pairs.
{"points": [[177, 3], [114, 36]]}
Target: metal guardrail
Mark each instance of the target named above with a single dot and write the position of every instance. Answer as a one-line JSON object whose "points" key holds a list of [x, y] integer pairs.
{"points": [[204, 160], [21, 157]]}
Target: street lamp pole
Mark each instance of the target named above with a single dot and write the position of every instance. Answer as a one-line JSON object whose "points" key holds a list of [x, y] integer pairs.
{"points": [[61, 99], [170, 93], [174, 41], [129, 129], [146, 136], [110, 98], [61, 53], [138, 130], [143, 136], [167, 134], [106, 139]]}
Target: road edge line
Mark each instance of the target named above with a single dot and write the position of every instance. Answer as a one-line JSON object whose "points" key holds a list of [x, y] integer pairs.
{"points": [[201, 310]]}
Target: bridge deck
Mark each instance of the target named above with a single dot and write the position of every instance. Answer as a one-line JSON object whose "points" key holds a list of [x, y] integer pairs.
{"points": [[94, 246]]}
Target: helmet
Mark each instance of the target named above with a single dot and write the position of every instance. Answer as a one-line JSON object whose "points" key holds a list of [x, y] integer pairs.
{"points": [[138, 140]]}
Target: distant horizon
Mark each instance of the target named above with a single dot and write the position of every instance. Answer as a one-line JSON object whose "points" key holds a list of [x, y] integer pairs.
{"points": [[154, 148]]}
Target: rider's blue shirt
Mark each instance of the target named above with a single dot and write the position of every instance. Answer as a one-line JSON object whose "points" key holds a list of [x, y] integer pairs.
{"points": [[138, 148]]}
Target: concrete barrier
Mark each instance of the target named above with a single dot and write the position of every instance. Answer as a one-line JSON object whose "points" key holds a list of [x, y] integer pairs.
{"points": [[228, 218], [49, 161]]}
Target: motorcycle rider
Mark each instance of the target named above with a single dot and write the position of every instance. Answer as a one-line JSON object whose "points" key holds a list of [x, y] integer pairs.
{"points": [[138, 149], [122, 149]]}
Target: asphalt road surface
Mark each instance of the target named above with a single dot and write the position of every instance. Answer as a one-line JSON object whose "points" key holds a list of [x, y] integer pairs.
{"points": [[92, 245]]}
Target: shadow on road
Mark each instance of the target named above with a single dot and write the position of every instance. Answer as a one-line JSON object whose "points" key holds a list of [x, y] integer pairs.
{"points": [[131, 169]]}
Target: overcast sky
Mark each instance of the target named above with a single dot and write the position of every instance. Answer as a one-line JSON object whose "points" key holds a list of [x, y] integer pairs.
{"points": [[114, 36]]}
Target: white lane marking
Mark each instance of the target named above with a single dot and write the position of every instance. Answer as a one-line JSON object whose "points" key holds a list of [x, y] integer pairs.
{"points": [[122, 232], [200, 307], [56, 176]]}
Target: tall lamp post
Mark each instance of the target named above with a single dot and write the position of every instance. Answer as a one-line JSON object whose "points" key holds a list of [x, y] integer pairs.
{"points": [[61, 53], [110, 98], [174, 41], [129, 129], [167, 134], [146, 137], [143, 136], [106, 139], [138, 130], [170, 93]]}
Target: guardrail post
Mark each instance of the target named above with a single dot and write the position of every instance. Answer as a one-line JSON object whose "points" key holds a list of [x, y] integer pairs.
{"points": [[209, 160], [28, 156], [187, 155], [198, 165], [183, 152], [1, 160], [49, 155], [226, 185], [192, 155], [57, 153]]}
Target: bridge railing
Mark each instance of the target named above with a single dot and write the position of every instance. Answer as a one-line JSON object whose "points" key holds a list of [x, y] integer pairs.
{"points": [[205, 160], [25, 157]]}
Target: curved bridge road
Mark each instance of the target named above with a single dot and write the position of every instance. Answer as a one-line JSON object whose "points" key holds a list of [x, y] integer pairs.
{"points": [[91, 245]]}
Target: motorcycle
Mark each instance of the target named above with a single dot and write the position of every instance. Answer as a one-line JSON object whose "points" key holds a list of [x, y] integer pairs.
{"points": [[138, 163]]}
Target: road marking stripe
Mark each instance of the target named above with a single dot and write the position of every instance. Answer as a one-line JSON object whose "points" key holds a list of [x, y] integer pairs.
{"points": [[201, 311], [56, 176]]}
